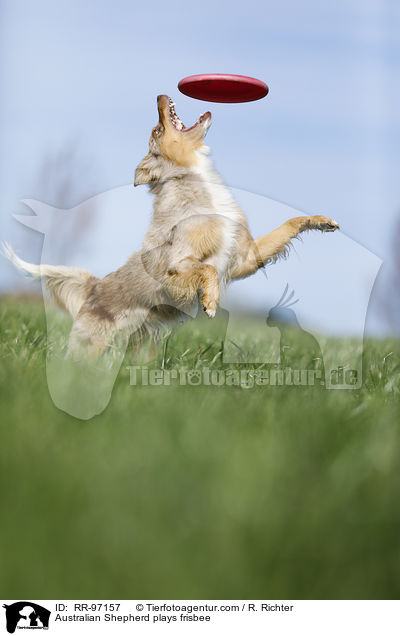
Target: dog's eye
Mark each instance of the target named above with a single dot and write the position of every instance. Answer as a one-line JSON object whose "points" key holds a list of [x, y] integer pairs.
{"points": [[157, 131]]}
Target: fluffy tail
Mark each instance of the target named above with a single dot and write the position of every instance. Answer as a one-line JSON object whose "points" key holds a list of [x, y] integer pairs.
{"points": [[69, 285]]}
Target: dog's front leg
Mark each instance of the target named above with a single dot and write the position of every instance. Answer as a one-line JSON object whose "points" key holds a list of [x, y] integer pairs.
{"points": [[190, 276], [272, 245], [268, 248]]}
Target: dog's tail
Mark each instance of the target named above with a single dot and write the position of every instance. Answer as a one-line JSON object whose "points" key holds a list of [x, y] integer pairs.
{"points": [[68, 285]]}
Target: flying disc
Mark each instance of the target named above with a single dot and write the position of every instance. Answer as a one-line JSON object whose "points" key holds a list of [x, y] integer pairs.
{"points": [[217, 87]]}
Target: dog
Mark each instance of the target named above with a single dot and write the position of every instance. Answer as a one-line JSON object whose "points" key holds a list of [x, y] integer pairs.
{"points": [[198, 242]]}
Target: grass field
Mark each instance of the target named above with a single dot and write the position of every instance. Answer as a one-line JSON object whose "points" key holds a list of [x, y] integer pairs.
{"points": [[197, 492]]}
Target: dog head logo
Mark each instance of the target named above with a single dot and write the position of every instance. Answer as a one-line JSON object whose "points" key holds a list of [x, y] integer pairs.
{"points": [[328, 294], [26, 615]]}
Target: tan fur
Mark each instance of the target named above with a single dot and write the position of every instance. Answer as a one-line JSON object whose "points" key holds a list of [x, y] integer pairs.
{"points": [[204, 240], [198, 240], [175, 146], [270, 247], [189, 277], [183, 154]]}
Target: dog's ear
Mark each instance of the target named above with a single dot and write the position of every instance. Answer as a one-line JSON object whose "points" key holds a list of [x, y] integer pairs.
{"points": [[143, 173]]}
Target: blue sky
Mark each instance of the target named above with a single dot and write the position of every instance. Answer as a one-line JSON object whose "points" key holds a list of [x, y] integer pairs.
{"points": [[325, 140]]}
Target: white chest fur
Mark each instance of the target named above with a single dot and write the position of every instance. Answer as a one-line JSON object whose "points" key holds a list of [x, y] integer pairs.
{"points": [[222, 205]]}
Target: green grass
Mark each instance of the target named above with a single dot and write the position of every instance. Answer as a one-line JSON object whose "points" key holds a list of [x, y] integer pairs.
{"points": [[197, 492]]}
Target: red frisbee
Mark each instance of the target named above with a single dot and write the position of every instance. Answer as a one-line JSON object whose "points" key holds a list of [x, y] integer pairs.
{"points": [[218, 87]]}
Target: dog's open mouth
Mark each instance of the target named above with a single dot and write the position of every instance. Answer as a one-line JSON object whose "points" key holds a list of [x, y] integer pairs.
{"points": [[178, 124]]}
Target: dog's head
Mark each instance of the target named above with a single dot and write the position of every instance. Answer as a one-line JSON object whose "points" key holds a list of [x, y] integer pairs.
{"points": [[172, 145]]}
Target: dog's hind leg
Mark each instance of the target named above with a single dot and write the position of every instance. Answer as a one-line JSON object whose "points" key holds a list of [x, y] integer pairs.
{"points": [[88, 341], [268, 248], [190, 276]]}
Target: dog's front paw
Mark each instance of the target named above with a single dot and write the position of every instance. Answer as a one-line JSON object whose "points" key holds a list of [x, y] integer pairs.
{"points": [[210, 307], [323, 223]]}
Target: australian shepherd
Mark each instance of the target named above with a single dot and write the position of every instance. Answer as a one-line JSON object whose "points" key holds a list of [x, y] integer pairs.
{"points": [[198, 242]]}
